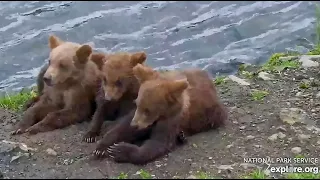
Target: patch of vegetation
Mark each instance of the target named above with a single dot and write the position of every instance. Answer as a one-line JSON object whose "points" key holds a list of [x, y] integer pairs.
{"points": [[257, 174], [203, 175], [243, 67], [258, 95], [122, 175], [144, 174], [220, 80], [302, 176], [304, 85], [247, 74], [15, 102], [278, 63]]}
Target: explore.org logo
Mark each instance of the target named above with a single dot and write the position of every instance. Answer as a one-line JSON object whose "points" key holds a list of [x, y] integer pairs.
{"points": [[287, 165]]}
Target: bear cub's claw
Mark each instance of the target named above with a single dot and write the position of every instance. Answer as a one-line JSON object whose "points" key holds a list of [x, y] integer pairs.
{"points": [[90, 137], [121, 152]]}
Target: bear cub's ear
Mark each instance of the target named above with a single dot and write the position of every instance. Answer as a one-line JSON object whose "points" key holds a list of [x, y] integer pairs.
{"points": [[143, 73], [83, 53], [54, 42], [138, 58], [178, 86], [176, 89], [99, 59]]}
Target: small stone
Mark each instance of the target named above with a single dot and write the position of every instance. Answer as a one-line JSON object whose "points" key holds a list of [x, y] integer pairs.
{"points": [[318, 95], [238, 80], [229, 146], [318, 142], [248, 165], [296, 150], [242, 127], [281, 135], [282, 129], [303, 137], [265, 76], [299, 94], [51, 152], [249, 137], [191, 177], [307, 62], [257, 146], [210, 158], [273, 137], [293, 115], [289, 139], [225, 167]]}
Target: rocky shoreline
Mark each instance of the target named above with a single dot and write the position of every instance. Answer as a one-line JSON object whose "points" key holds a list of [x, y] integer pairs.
{"points": [[274, 112]]}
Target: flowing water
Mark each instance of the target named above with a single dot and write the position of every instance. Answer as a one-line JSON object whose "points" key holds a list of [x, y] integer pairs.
{"points": [[215, 36]]}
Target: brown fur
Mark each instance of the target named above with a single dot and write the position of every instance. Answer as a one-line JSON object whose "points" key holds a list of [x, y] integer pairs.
{"points": [[71, 83], [170, 103], [97, 58], [117, 91]]}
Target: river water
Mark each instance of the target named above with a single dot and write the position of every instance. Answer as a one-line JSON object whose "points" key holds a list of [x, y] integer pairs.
{"points": [[215, 36]]}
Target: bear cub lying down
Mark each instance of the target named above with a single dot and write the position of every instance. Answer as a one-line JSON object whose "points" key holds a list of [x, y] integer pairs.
{"points": [[167, 104]]}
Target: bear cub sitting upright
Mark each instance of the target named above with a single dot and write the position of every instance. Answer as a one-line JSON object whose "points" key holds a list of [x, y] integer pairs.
{"points": [[71, 83]]}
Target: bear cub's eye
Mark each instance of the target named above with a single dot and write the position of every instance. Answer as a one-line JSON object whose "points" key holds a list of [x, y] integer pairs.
{"points": [[118, 83], [62, 66], [146, 111]]}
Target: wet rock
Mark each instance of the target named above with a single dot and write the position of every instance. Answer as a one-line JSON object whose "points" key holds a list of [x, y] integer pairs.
{"points": [[303, 137], [239, 80], [294, 115], [296, 150], [51, 152], [249, 137], [265, 76], [307, 60]]}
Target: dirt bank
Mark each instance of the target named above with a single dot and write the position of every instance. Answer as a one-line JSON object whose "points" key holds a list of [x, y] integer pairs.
{"points": [[284, 123]]}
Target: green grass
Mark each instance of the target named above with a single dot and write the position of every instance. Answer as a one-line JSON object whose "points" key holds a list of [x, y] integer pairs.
{"points": [[302, 176], [258, 95], [257, 174], [15, 102], [304, 85], [275, 63], [144, 174], [247, 74], [122, 175], [203, 175], [220, 80]]}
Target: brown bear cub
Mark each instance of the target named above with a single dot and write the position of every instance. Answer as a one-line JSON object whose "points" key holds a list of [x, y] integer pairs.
{"points": [[71, 83], [170, 102], [118, 89]]}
